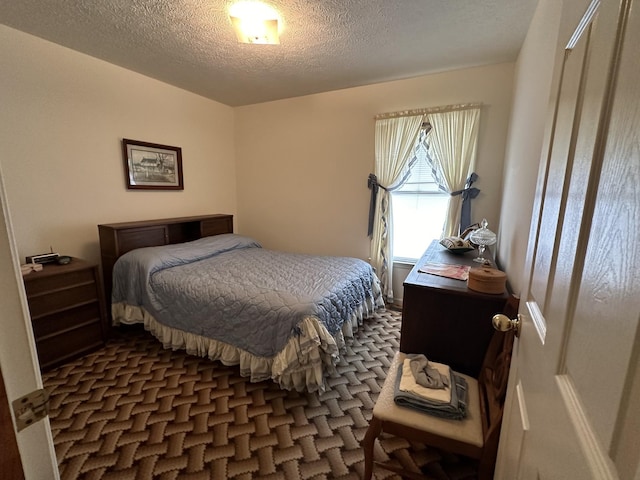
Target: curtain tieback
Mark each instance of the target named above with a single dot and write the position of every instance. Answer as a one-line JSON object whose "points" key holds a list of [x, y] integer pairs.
{"points": [[468, 193], [373, 185]]}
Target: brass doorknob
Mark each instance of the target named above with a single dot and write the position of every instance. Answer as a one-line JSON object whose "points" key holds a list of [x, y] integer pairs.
{"points": [[503, 323]]}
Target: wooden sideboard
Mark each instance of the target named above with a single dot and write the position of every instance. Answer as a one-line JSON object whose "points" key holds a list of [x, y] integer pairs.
{"points": [[116, 239], [444, 319]]}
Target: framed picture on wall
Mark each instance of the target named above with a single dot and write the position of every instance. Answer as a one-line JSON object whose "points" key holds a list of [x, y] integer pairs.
{"points": [[151, 166]]}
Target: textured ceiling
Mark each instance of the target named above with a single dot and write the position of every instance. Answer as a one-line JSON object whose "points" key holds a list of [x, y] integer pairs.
{"points": [[325, 44]]}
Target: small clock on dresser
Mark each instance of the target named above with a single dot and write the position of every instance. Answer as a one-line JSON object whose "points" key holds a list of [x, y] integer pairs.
{"points": [[67, 309]]}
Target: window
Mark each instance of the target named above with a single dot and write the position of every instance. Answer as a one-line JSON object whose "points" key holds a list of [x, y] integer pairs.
{"points": [[419, 209]]}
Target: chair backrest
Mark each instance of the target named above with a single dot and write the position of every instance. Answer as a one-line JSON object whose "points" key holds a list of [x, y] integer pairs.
{"points": [[492, 386]]}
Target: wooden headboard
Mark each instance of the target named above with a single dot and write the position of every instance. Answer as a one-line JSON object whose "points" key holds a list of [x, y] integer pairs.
{"points": [[116, 239]]}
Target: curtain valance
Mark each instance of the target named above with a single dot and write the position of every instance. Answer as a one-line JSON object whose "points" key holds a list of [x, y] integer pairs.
{"points": [[427, 111]]}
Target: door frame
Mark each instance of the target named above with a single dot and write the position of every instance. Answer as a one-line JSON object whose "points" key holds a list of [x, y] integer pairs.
{"points": [[18, 357]]}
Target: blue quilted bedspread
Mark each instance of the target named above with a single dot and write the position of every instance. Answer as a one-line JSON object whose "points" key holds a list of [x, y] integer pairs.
{"points": [[230, 289]]}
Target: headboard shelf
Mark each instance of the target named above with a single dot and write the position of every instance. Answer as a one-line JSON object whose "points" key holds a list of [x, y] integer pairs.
{"points": [[116, 239]]}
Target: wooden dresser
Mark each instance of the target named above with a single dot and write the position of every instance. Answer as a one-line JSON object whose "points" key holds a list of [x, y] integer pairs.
{"points": [[445, 320], [67, 311]]}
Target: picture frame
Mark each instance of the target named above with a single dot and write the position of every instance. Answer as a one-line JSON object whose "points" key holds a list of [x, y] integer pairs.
{"points": [[152, 166]]}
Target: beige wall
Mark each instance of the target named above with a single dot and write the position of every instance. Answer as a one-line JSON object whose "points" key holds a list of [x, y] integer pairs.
{"points": [[302, 163], [62, 118], [532, 87], [537, 78]]}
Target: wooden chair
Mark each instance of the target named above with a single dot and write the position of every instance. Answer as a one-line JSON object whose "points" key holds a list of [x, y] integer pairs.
{"points": [[476, 436]]}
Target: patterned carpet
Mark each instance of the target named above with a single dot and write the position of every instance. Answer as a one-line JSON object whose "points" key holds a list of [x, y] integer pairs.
{"points": [[133, 410]]}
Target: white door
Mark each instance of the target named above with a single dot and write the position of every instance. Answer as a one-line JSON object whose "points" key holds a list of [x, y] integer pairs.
{"points": [[18, 360], [574, 396]]}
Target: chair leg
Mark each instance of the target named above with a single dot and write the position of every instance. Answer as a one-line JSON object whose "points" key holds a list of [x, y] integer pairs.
{"points": [[375, 427]]}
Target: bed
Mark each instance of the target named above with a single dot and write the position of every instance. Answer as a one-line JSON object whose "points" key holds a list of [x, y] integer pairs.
{"points": [[278, 315]]}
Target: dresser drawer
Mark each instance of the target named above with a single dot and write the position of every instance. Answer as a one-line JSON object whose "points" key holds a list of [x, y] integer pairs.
{"points": [[53, 283], [56, 349], [65, 320], [61, 299]]}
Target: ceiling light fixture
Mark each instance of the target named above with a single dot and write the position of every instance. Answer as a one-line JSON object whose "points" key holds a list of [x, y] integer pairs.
{"points": [[255, 22]]}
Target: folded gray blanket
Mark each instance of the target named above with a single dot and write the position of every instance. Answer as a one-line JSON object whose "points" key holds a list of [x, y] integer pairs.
{"points": [[426, 375], [455, 410]]}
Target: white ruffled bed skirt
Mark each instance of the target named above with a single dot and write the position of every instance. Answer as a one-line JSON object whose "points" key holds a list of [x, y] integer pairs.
{"points": [[301, 365]]}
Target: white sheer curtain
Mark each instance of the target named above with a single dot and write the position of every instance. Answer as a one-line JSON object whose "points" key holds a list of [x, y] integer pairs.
{"points": [[453, 139], [395, 139]]}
